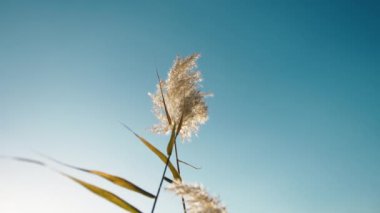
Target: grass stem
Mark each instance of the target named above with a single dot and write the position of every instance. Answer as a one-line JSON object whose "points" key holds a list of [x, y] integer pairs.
{"points": [[179, 172], [159, 188]]}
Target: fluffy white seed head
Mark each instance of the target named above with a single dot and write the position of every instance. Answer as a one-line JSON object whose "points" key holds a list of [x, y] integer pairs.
{"points": [[196, 197], [182, 96]]}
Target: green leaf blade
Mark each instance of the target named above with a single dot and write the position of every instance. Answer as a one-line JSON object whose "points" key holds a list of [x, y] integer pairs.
{"points": [[157, 152], [112, 178], [169, 148], [161, 156], [122, 182], [96, 190], [163, 100], [106, 195]]}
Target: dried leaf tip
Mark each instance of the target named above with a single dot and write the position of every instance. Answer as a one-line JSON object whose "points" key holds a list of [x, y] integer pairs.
{"points": [[182, 95], [197, 198]]}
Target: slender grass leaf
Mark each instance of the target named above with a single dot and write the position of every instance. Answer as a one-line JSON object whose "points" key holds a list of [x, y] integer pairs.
{"points": [[106, 195], [27, 160], [188, 164], [112, 178], [168, 180], [169, 148], [180, 121], [157, 152], [163, 100], [99, 191], [123, 183]]}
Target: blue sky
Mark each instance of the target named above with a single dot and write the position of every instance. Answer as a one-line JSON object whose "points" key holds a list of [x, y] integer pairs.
{"points": [[294, 123]]}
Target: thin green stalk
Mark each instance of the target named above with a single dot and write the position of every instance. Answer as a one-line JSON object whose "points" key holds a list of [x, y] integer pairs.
{"points": [[162, 180], [179, 172], [166, 167], [170, 148]]}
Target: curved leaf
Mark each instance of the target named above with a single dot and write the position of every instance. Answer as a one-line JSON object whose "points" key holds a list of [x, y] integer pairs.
{"points": [[112, 178], [188, 164], [168, 180], [163, 100], [122, 182], [99, 191], [157, 152], [106, 195], [179, 125], [169, 148], [27, 160]]}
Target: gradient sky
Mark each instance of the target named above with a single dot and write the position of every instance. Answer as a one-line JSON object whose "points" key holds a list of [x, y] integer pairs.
{"points": [[294, 124]]}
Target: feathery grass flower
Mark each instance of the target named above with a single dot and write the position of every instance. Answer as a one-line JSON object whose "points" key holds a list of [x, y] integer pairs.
{"points": [[197, 198], [183, 97]]}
